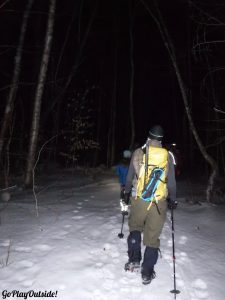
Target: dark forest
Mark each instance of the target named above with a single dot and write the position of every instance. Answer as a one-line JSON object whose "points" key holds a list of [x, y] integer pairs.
{"points": [[83, 80]]}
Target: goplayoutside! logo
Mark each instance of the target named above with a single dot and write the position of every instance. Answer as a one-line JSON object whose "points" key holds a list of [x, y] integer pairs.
{"points": [[30, 294]]}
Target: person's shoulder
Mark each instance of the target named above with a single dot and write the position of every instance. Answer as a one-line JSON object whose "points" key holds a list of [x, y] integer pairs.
{"points": [[137, 154], [138, 151]]}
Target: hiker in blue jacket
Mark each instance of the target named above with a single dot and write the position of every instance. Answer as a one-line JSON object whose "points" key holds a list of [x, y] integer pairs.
{"points": [[122, 169]]}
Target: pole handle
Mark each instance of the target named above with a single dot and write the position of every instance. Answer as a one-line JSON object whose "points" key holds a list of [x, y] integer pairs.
{"points": [[175, 292]]}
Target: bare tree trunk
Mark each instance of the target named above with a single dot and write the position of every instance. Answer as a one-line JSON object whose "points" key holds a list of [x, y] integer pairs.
{"points": [[219, 133], [81, 48], [7, 117], [190, 155], [4, 3], [131, 77], [112, 128], [99, 126], [170, 48], [67, 34], [38, 95], [113, 116]]}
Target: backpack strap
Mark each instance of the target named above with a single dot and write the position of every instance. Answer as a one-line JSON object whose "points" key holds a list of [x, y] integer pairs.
{"points": [[150, 205], [146, 164]]}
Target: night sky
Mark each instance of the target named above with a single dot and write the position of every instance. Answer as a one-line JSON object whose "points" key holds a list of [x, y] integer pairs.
{"points": [[106, 52]]}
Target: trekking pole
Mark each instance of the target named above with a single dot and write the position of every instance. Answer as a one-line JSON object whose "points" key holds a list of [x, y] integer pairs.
{"points": [[174, 291], [121, 235]]}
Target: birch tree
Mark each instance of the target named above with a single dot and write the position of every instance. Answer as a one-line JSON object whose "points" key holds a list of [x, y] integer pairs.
{"points": [[158, 19], [38, 94], [7, 117]]}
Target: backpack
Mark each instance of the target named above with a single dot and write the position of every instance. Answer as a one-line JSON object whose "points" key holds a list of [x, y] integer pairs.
{"points": [[151, 183]]}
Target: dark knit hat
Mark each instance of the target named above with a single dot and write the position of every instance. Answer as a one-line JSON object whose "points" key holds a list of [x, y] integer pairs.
{"points": [[156, 133]]}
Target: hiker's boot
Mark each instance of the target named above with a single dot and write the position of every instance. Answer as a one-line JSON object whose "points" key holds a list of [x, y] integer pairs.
{"points": [[134, 251], [132, 266], [147, 268], [133, 263], [147, 276]]}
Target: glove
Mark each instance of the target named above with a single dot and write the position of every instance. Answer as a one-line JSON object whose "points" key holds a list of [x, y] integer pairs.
{"points": [[123, 207], [172, 204]]}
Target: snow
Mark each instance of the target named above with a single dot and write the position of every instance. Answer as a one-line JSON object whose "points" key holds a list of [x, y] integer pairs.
{"points": [[71, 250]]}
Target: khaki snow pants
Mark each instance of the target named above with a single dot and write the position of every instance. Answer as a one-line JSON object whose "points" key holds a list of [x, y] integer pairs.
{"points": [[150, 222]]}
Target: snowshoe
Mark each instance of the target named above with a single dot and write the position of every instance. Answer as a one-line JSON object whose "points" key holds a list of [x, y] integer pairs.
{"points": [[147, 278], [132, 266]]}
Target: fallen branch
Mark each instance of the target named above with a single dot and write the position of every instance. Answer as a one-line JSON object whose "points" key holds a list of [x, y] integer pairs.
{"points": [[33, 172]]}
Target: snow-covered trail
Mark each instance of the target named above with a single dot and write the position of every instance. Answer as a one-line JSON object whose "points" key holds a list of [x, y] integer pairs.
{"points": [[73, 249]]}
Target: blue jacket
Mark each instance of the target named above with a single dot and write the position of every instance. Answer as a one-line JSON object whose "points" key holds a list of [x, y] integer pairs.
{"points": [[121, 171]]}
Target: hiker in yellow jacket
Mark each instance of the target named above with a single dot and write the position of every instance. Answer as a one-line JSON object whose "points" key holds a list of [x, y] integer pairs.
{"points": [[150, 181]]}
